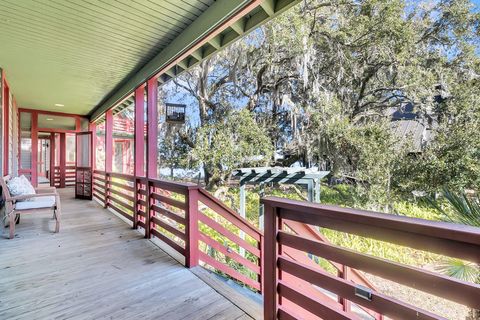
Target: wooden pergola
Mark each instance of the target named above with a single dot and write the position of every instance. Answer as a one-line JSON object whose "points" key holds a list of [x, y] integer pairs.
{"points": [[261, 176]]}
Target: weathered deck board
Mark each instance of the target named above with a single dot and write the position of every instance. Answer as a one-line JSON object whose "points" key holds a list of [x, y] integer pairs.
{"points": [[97, 268]]}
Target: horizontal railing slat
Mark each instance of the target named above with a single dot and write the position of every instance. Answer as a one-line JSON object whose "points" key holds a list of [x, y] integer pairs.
{"points": [[123, 213], [102, 186], [437, 284], [170, 201], [169, 214], [126, 177], [121, 194], [229, 214], [379, 302], [228, 270], [100, 192], [227, 233], [120, 202], [168, 241], [312, 305], [169, 228], [122, 185], [229, 253]]}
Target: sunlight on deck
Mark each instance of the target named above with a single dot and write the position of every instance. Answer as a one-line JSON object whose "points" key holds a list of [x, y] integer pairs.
{"points": [[97, 268]]}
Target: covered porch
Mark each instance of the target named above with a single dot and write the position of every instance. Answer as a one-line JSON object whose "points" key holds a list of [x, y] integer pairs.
{"points": [[99, 268]]}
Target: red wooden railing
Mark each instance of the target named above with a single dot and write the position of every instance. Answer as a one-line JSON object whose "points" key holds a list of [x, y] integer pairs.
{"points": [[189, 220], [282, 264], [289, 282], [69, 178]]}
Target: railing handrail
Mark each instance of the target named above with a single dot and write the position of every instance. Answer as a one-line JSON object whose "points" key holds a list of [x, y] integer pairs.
{"points": [[312, 212]]}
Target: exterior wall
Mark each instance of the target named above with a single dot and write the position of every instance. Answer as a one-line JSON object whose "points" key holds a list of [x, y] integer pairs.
{"points": [[11, 143]]}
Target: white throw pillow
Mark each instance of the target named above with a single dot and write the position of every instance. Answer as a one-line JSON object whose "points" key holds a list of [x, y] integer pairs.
{"points": [[19, 186]]}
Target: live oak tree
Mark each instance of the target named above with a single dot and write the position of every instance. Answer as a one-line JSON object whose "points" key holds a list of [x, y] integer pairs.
{"points": [[322, 79]]}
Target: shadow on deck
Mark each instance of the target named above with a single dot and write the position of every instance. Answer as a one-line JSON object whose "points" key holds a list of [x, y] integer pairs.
{"points": [[97, 268]]}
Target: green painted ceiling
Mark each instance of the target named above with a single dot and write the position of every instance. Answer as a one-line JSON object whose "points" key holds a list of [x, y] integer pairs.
{"points": [[90, 54]]}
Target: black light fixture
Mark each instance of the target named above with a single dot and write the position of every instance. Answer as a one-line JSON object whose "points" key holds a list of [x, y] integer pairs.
{"points": [[175, 113]]}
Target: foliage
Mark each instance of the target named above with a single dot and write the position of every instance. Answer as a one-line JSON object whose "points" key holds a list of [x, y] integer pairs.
{"points": [[234, 142], [462, 209], [322, 81]]}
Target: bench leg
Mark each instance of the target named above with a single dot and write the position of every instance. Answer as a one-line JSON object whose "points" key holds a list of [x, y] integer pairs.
{"points": [[12, 225], [58, 214]]}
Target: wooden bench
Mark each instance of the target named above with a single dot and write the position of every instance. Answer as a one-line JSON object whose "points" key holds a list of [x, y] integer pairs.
{"points": [[49, 200]]}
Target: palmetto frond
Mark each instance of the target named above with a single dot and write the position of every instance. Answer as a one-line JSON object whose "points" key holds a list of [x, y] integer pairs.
{"points": [[463, 210], [460, 269]]}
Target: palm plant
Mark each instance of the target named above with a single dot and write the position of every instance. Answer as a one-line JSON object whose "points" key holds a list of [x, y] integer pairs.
{"points": [[464, 210]]}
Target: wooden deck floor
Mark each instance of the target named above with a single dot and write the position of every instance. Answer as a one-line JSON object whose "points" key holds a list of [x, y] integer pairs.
{"points": [[97, 268]]}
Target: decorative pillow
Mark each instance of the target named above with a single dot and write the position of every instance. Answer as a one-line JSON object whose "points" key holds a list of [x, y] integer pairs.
{"points": [[19, 186]]}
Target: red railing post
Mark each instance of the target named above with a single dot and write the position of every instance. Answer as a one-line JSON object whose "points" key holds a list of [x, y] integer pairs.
{"points": [[107, 188], [191, 230], [150, 189], [344, 274], [135, 203], [261, 278], [270, 253]]}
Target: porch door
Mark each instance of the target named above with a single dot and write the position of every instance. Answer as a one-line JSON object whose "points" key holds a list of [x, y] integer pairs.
{"points": [[83, 165]]}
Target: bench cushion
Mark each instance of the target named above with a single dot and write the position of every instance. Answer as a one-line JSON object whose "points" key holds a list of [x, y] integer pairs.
{"points": [[19, 186], [37, 203]]}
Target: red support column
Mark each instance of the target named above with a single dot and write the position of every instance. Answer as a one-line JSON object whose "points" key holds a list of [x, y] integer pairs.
{"points": [[92, 127], [139, 132], [63, 158], [152, 149], [108, 140], [270, 276], [52, 159], [6, 122], [34, 133], [191, 230], [139, 154], [152, 132], [108, 152]]}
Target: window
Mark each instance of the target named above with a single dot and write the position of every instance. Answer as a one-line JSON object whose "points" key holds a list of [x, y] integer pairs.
{"points": [[123, 139]]}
